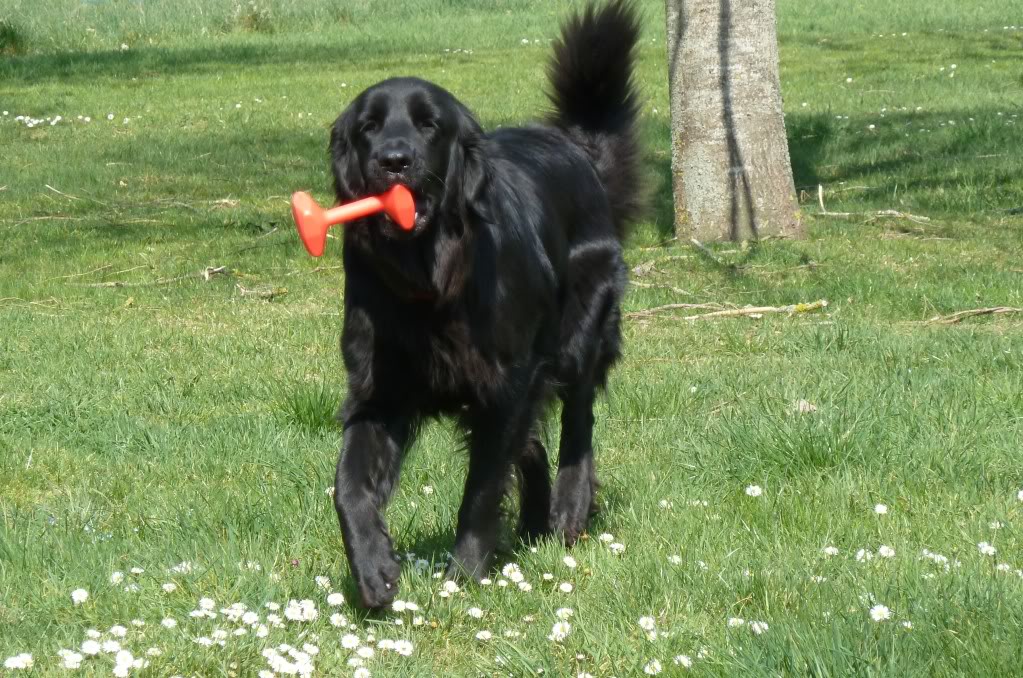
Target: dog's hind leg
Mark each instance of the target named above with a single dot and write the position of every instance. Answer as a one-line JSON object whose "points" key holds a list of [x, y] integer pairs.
{"points": [[576, 483], [367, 470], [534, 491], [591, 341]]}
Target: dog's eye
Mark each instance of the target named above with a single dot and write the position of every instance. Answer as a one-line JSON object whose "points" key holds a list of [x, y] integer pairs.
{"points": [[369, 127], [426, 125]]}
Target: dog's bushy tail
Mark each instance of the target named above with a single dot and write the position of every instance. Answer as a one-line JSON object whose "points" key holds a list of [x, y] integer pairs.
{"points": [[595, 99]]}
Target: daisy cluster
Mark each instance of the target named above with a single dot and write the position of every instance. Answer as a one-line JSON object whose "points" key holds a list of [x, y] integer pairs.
{"points": [[303, 636], [54, 120]]}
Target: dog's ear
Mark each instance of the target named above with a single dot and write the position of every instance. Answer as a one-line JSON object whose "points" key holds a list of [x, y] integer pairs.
{"points": [[467, 170], [349, 182]]}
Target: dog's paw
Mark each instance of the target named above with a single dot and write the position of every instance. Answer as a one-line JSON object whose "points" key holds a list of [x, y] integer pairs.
{"points": [[468, 563], [376, 578], [571, 506], [534, 528]]}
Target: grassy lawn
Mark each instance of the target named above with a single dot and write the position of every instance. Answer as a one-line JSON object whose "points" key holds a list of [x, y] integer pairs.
{"points": [[169, 364]]}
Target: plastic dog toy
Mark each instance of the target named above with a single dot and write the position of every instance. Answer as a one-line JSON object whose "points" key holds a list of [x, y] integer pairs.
{"points": [[313, 221]]}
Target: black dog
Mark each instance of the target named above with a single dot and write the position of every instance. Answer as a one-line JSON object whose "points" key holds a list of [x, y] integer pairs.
{"points": [[505, 292]]}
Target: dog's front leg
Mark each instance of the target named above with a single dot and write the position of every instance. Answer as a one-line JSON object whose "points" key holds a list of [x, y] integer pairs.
{"points": [[371, 456], [499, 436]]}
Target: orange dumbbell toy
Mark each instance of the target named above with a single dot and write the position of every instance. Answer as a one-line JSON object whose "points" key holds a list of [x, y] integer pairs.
{"points": [[313, 221]]}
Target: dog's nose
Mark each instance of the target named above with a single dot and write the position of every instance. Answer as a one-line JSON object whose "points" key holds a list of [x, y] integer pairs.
{"points": [[395, 160]]}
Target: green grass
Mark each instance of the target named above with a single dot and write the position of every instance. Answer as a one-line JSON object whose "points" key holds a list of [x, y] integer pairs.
{"points": [[178, 418]]}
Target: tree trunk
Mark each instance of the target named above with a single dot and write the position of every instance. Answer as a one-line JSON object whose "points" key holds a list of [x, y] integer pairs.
{"points": [[731, 174]]}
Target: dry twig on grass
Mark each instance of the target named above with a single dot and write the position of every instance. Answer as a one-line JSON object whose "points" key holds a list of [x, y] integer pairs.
{"points": [[871, 216], [659, 286], [651, 312], [265, 293], [650, 266], [971, 313], [318, 269], [754, 312], [206, 274]]}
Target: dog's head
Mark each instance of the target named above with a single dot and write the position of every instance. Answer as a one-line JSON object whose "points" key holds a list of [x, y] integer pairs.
{"points": [[412, 132]]}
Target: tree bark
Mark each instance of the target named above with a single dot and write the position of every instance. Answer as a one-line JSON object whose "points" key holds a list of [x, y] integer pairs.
{"points": [[731, 173]]}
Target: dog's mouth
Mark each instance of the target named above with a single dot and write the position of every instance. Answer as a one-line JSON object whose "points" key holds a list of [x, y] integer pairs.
{"points": [[424, 214]]}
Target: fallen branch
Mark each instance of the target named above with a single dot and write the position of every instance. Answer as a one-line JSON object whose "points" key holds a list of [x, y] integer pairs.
{"points": [[719, 312], [650, 312], [824, 210], [267, 294], [206, 274], [659, 286], [891, 214], [895, 214], [79, 275], [74, 197], [759, 311], [318, 269], [971, 313], [649, 266]]}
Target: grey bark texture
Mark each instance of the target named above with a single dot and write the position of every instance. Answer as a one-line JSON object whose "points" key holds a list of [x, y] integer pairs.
{"points": [[731, 173]]}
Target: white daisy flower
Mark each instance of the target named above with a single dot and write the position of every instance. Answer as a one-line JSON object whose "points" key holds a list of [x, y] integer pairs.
{"points": [[652, 668], [169, 623], [647, 623], [560, 631], [608, 538], [18, 662], [484, 636], [79, 596], [754, 490], [565, 587], [349, 641], [569, 561], [758, 627], [170, 587], [880, 509], [863, 555], [322, 582], [880, 613], [116, 577], [684, 661], [617, 548], [986, 549], [735, 621], [885, 551], [72, 660], [335, 599], [564, 613], [830, 551]]}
